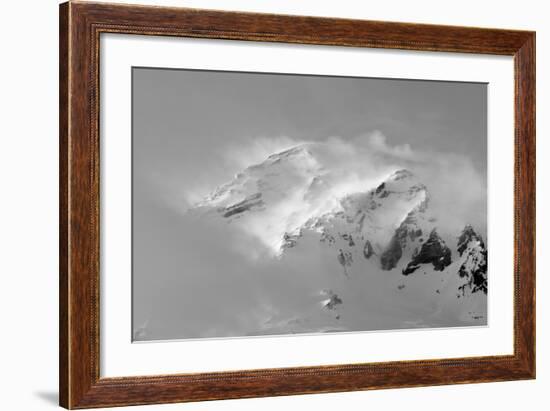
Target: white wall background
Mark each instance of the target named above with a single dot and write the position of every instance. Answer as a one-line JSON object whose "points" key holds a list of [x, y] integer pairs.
{"points": [[28, 205]]}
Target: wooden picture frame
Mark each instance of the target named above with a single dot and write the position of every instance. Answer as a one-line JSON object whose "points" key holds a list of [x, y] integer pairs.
{"points": [[80, 27]]}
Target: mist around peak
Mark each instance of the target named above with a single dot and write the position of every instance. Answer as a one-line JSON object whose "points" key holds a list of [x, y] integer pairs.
{"points": [[335, 235]]}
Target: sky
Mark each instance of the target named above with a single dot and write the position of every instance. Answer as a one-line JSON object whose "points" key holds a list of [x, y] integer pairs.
{"points": [[189, 126], [194, 130]]}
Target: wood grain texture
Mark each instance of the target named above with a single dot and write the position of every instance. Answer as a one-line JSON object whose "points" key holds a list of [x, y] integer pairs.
{"points": [[63, 205], [80, 27], [524, 203]]}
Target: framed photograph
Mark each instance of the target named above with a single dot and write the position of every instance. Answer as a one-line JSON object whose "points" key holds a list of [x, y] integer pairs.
{"points": [[259, 205]]}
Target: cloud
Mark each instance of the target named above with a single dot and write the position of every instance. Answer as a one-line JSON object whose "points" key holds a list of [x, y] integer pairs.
{"points": [[377, 142], [256, 150], [458, 191], [194, 250], [225, 162], [356, 159], [345, 166]]}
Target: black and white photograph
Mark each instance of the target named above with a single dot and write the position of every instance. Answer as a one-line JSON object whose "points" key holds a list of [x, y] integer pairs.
{"points": [[280, 204], [275, 205]]}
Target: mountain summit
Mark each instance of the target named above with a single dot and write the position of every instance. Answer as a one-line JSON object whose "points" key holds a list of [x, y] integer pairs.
{"points": [[294, 190]]}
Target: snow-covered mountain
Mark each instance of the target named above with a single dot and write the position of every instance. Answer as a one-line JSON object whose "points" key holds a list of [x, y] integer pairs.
{"points": [[378, 231]]}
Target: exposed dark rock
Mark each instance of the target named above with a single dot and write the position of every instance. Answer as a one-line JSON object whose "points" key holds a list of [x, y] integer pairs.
{"points": [[348, 238], [384, 193], [289, 152], [245, 205], [433, 251], [467, 235], [345, 258], [327, 238], [474, 268], [380, 188], [368, 250], [392, 254], [477, 280], [333, 300], [410, 268], [289, 240]]}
